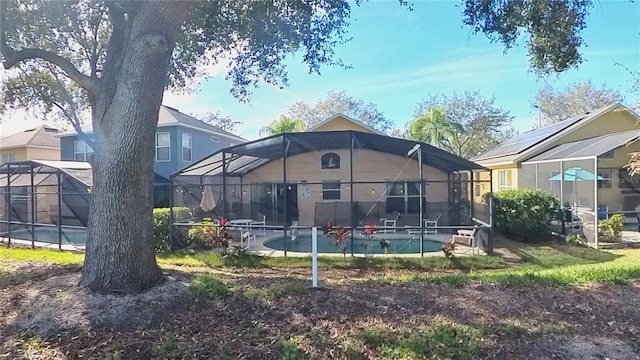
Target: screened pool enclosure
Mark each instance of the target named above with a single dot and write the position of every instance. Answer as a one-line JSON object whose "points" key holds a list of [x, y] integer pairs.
{"points": [[45, 203], [591, 179], [280, 186]]}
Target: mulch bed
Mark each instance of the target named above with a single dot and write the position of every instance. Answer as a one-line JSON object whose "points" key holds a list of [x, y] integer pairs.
{"points": [[44, 303]]}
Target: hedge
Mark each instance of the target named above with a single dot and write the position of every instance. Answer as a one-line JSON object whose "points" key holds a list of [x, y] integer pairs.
{"points": [[525, 214], [162, 224]]}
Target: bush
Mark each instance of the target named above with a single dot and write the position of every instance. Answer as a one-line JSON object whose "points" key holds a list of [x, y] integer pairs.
{"points": [[162, 225], [206, 287], [525, 214], [209, 234], [612, 228]]}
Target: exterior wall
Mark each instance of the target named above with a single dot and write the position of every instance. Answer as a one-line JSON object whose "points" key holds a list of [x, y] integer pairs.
{"points": [[202, 145], [515, 175], [19, 153], [368, 166], [340, 123], [43, 154]]}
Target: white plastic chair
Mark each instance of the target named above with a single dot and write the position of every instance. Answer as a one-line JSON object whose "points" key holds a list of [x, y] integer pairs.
{"points": [[431, 224], [247, 236], [391, 223]]}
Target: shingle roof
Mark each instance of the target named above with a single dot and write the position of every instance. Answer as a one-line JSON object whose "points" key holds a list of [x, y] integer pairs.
{"points": [[41, 136], [170, 116], [529, 139]]}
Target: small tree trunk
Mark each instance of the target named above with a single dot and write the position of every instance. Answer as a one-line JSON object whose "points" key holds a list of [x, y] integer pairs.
{"points": [[120, 252]]}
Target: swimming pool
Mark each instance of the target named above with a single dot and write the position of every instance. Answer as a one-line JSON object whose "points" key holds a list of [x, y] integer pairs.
{"points": [[50, 235], [360, 245]]}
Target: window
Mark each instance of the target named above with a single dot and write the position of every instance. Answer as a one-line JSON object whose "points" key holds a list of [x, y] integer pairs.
{"points": [[330, 161], [8, 157], [215, 138], [186, 147], [504, 179], [607, 175], [607, 155], [404, 197], [331, 191], [82, 151], [163, 147]]}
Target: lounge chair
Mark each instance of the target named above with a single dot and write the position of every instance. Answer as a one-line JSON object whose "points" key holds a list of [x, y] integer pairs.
{"points": [[431, 225], [390, 222]]}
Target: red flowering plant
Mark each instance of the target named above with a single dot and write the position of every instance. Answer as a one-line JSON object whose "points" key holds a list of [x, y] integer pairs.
{"points": [[210, 234], [339, 233]]}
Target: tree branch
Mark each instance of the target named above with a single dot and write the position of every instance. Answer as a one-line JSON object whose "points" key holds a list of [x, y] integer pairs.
{"points": [[13, 58]]}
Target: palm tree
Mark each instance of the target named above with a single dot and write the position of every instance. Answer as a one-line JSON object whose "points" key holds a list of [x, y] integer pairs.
{"points": [[432, 127], [282, 125]]}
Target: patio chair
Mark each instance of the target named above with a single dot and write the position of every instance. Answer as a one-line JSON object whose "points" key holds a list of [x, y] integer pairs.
{"points": [[430, 225], [466, 237], [245, 239], [262, 221], [392, 222]]}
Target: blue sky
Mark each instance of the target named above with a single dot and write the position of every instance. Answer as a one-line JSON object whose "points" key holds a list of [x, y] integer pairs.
{"points": [[399, 57]]}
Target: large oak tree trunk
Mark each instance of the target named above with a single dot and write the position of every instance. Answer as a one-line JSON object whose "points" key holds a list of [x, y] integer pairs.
{"points": [[120, 253]]}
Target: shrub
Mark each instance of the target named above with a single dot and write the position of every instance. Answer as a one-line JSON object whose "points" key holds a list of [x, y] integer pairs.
{"points": [[611, 228], [207, 287], [162, 225], [209, 234], [525, 214]]}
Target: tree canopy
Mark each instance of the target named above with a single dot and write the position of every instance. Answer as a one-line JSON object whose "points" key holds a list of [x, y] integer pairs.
{"points": [[281, 126], [466, 124], [554, 28], [224, 122], [339, 102], [575, 99]]}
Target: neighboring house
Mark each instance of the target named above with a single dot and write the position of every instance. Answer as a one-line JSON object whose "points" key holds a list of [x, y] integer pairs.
{"points": [[339, 170], [39, 143], [180, 140], [505, 160]]}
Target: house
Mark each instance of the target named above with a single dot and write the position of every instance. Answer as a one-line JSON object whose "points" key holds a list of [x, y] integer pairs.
{"points": [[340, 170], [180, 140], [39, 143], [581, 160], [505, 160]]}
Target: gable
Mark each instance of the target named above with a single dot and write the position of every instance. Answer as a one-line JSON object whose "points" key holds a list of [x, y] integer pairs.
{"points": [[341, 122]]}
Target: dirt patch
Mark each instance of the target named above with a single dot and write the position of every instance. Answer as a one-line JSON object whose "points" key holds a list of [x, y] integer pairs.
{"points": [[339, 321], [56, 305]]}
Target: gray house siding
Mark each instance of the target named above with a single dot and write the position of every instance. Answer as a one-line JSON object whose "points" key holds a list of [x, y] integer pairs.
{"points": [[202, 146]]}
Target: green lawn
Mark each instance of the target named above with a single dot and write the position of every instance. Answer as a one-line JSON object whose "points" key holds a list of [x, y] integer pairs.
{"points": [[552, 264]]}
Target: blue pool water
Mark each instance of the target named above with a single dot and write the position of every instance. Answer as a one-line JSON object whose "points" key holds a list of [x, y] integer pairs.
{"points": [[50, 235], [360, 245]]}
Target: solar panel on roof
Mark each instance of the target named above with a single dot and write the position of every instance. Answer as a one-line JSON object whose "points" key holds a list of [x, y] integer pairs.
{"points": [[590, 147], [528, 139]]}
